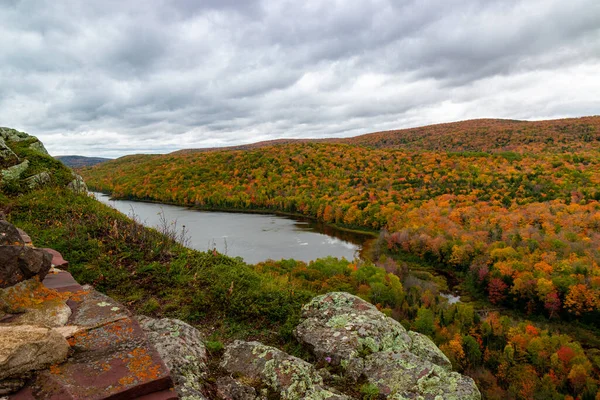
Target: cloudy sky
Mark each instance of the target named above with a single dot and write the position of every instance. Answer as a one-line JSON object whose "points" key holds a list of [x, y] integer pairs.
{"points": [[115, 77]]}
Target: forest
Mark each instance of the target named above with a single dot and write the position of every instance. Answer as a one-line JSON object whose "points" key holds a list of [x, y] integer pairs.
{"points": [[512, 208]]}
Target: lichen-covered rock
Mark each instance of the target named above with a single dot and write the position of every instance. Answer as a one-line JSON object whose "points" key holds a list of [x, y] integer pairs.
{"points": [[19, 263], [24, 348], [38, 147], [37, 180], [403, 375], [13, 135], [425, 349], [345, 330], [9, 235], [286, 376], [339, 327], [7, 157], [13, 173], [181, 348], [77, 184], [231, 389]]}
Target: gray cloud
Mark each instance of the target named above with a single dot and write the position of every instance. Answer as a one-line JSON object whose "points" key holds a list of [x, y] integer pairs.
{"points": [[112, 78]]}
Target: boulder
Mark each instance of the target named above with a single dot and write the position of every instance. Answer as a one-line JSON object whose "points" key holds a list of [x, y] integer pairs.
{"points": [[14, 173], [9, 235], [12, 135], [38, 147], [285, 376], [425, 349], [345, 330], [77, 184], [181, 348], [24, 348], [7, 157], [37, 180], [34, 304], [340, 327], [19, 263]]}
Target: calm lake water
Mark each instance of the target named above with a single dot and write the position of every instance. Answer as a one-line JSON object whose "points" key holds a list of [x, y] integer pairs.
{"points": [[254, 237]]}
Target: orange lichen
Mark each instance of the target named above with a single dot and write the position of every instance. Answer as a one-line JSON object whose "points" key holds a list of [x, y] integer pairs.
{"points": [[142, 366], [31, 294], [55, 369]]}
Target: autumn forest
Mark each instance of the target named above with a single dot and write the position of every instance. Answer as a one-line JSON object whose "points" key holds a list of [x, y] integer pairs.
{"points": [[510, 209]]}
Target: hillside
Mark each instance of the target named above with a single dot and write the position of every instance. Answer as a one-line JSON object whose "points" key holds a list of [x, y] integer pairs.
{"points": [[81, 161]]}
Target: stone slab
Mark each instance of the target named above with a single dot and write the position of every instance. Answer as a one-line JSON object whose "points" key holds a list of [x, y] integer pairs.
{"points": [[57, 258], [93, 309], [113, 361], [62, 282]]}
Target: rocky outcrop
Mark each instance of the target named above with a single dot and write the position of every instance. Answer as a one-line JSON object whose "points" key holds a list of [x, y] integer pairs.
{"points": [[278, 373], [181, 347], [9, 234], [7, 156], [25, 347], [19, 263], [61, 340], [348, 332], [26, 165], [77, 184]]}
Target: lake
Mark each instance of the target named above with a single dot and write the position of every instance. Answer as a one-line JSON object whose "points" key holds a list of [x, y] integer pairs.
{"points": [[254, 237]]}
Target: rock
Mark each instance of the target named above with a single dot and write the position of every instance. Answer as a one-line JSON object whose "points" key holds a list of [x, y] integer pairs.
{"points": [[37, 180], [425, 349], [7, 157], [14, 383], [50, 314], [25, 237], [230, 389], [62, 281], [93, 309], [38, 147], [57, 258], [404, 375], [339, 326], [34, 304], [12, 135], [77, 184], [181, 348], [287, 376], [14, 173], [345, 330], [24, 348], [113, 361], [20, 263], [9, 235]]}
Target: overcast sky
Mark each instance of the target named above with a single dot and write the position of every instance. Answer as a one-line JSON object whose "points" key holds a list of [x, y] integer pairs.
{"points": [[115, 77]]}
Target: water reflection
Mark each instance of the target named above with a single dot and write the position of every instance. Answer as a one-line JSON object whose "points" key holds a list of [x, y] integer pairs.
{"points": [[254, 237]]}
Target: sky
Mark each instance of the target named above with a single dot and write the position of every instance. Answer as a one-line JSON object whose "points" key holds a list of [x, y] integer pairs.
{"points": [[113, 77]]}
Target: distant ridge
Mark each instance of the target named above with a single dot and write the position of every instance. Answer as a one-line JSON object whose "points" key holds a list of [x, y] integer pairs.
{"points": [[470, 135], [81, 161]]}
